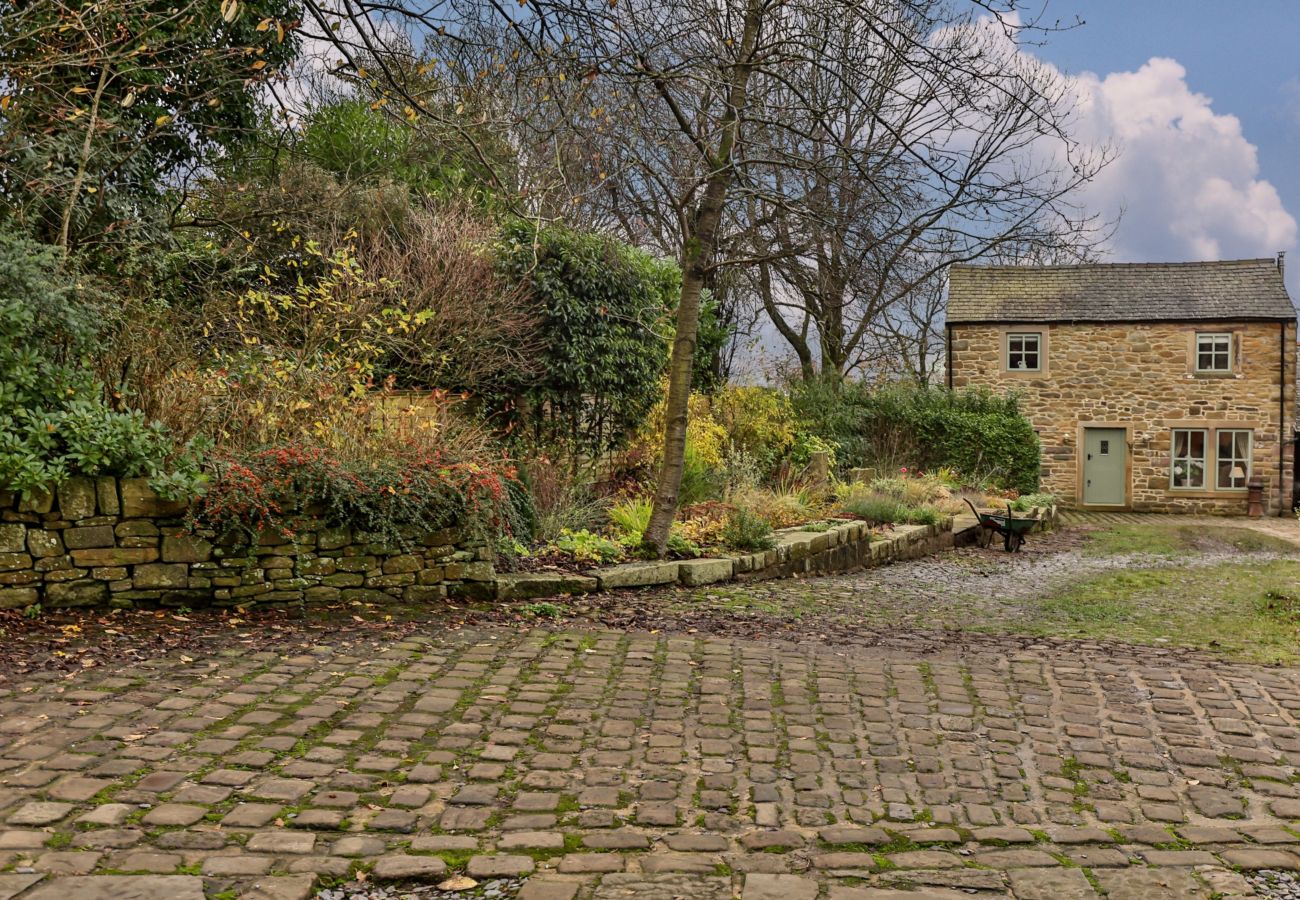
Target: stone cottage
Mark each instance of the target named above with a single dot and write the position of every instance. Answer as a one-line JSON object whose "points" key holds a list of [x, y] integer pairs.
{"points": [[1161, 387]]}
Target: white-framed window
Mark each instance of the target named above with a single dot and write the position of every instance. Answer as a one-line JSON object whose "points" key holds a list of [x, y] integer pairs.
{"points": [[1232, 458], [1025, 351], [1187, 465], [1213, 352]]}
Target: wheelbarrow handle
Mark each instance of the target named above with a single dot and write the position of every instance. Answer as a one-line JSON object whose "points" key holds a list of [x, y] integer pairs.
{"points": [[972, 507]]}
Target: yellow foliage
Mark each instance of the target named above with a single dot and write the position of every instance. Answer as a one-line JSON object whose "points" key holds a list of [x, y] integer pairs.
{"points": [[706, 439], [757, 420]]}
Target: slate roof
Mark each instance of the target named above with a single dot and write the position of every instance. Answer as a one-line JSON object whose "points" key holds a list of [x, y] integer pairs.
{"points": [[1119, 292]]}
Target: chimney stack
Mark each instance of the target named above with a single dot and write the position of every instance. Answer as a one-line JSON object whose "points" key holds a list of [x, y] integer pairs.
{"points": [[1281, 263]]}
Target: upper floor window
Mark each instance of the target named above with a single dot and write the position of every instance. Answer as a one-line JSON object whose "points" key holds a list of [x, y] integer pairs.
{"points": [[1213, 352], [1025, 351]]}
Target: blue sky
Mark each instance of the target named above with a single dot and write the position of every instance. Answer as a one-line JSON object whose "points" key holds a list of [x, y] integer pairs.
{"points": [[1238, 59]]}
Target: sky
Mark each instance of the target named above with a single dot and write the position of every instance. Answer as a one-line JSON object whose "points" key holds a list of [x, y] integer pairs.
{"points": [[1202, 98]]}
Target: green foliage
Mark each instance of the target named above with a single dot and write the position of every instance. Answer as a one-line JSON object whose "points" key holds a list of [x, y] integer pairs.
{"points": [[585, 546], [759, 423], [630, 519], [1026, 502], [603, 306], [700, 480], [885, 508], [54, 418], [747, 530], [977, 433], [359, 142]]}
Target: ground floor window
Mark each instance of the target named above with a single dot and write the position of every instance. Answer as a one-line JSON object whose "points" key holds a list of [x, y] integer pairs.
{"points": [[1190, 459], [1233, 458], [1188, 466]]}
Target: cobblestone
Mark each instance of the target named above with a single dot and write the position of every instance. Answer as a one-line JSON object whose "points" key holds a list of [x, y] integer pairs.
{"points": [[585, 765]]}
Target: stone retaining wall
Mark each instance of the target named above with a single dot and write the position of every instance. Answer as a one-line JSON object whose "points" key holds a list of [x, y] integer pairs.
{"points": [[114, 542]]}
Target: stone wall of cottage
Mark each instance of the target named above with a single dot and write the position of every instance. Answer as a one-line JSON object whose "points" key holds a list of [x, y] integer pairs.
{"points": [[114, 542], [1140, 374]]}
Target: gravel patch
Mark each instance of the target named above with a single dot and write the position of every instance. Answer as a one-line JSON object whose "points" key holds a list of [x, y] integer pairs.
{"points": [[492, 889], [1275, 885]]}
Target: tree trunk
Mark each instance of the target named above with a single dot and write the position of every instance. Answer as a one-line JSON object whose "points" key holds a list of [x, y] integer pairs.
{"points": [[697, 253]]}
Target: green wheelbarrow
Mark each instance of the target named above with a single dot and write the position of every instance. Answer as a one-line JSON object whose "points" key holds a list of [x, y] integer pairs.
{"points": [[1013, 530]]}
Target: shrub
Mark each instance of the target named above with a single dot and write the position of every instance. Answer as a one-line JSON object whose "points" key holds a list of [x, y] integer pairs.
{"points": [[561, 499], [630, 519], [394, 497], [603, 308], [875, 508], [1027, 502], [54, 418], [747, 530], [586, 546], [758, 423], [885, 508], [977, 433], [780, 506]]}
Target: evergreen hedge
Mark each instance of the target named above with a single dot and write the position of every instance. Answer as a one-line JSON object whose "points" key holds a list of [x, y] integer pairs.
{"points": [[981, 435]]}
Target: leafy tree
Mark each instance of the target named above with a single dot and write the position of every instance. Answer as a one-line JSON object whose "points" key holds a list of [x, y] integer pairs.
{"points": [[105, 106], [603, 306]]}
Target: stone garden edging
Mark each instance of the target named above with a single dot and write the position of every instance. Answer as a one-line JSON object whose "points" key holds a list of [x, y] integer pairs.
{"points": [[842, 547]]}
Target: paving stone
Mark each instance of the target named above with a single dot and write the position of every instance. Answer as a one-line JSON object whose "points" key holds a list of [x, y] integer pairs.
{"points": [[281, 842], [1149, 884], [499, 866], [174, 814], [40, 813], [236, 865], [1261, 859], [1050, 884], [251, 815], [147, 861], [13, 885], [119, 887], [548, 889], [397, 867], [281, 887], [760, 886], [627, 886]]}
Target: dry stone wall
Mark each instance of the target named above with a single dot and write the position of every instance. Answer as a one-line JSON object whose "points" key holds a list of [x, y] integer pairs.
{"points": [[1141, 375], [114, 542]]}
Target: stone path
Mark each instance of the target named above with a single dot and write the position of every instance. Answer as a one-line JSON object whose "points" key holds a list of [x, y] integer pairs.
{"points": [[649, 767]]}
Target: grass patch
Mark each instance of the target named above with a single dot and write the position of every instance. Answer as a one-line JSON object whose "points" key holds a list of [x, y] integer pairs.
{"points": [[1243, 610], [1178, 540]]}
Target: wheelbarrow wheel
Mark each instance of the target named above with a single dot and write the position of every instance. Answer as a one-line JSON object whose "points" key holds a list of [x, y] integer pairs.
{"points": [[986, 537], [1013, 542]]}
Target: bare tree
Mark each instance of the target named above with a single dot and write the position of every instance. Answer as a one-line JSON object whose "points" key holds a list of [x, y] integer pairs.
{"points": [[680, 119], [889, 174]]}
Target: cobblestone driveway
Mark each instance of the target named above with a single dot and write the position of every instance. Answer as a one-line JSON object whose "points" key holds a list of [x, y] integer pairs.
{"points": [[646, 766]]}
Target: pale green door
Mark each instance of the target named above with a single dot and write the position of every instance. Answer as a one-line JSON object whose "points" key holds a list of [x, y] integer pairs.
{"points": [[1104, 466]]}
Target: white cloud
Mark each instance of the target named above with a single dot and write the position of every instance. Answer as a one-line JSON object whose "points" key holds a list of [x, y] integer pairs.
{"points": [[1186, 179]]}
